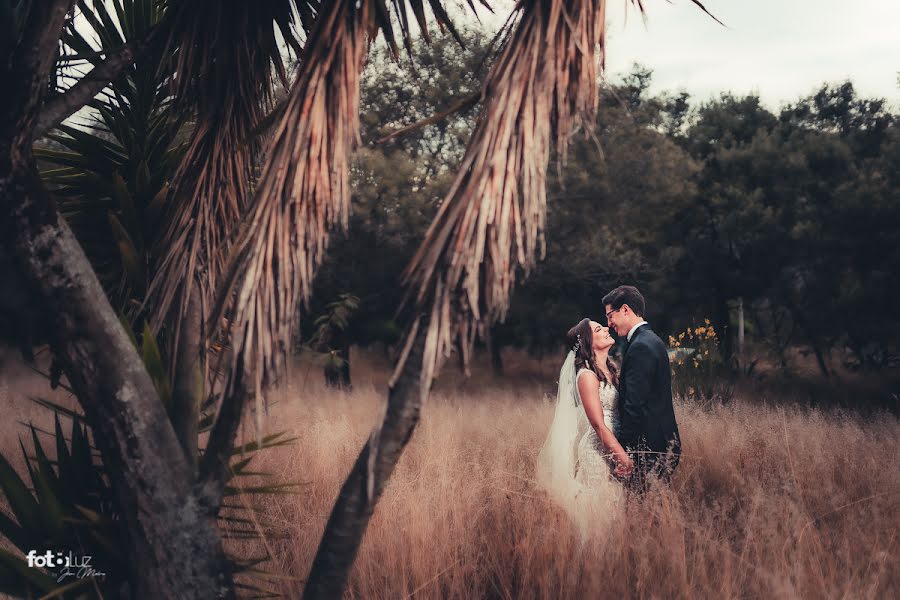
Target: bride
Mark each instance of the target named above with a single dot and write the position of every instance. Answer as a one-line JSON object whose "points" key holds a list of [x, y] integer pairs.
{"points": [[581, 449]]}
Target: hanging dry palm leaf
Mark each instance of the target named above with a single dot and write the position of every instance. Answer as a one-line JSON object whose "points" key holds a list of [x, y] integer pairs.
{"points": [[224, 53], [542, 87], [304, 188], [303, 192]]}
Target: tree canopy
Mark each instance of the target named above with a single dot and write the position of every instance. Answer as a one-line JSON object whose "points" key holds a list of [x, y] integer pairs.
{"points": [[700, 204]]}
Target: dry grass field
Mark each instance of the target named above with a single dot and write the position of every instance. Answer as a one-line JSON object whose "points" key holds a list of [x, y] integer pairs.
{"points": [[770, 501]]}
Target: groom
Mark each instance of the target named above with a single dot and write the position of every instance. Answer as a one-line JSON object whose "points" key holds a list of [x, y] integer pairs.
{"points": [[647, 420]]}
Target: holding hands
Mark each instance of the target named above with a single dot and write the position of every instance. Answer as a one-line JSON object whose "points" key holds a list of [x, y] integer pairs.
{"points": [[624, 465]]}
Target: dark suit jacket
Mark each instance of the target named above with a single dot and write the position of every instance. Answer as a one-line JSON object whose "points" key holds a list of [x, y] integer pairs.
{"points": [[645, 395]]}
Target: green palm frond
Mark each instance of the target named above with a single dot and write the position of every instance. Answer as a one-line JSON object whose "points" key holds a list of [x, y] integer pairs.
{"points": [[67, 507], [112, 164], [65, 503]]}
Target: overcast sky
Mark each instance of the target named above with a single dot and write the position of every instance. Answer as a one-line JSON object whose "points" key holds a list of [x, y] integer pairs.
{"points": [[781, 49]]}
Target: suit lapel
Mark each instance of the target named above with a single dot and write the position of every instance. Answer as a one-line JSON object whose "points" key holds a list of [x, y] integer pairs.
{"points": [[628, 344]]}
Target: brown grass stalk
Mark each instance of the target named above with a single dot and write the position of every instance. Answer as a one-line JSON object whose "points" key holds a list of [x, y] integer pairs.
{"points": [[462, 516]]}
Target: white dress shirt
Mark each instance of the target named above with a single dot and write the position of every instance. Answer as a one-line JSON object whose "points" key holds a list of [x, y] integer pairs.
{"points": [[633, 329]]}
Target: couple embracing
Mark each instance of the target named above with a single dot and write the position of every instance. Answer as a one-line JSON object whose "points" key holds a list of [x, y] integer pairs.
{"points": [[613, 427]]}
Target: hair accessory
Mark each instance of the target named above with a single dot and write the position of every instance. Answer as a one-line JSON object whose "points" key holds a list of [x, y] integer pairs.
{"points": [[577, 344]]}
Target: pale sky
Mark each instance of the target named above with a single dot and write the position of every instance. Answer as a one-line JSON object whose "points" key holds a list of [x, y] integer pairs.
{"points": [[781, 49]]}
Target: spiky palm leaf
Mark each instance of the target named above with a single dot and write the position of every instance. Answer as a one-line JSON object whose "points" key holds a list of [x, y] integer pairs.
{"points": [[67, 507], [304, 188], [113, 163]]}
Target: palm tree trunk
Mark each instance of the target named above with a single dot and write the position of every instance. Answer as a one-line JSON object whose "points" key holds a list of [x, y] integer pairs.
{"points": [[365, 483], [175, 548], [740, 331], [215, 466], [188, 388]]}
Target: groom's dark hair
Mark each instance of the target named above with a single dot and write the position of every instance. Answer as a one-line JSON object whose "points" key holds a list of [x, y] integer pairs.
{"points": [[625, 294]]}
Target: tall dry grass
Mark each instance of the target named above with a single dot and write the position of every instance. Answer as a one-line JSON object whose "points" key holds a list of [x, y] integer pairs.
{"points": [[769, 501]]}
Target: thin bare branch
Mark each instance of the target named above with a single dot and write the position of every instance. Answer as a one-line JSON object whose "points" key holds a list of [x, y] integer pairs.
{"points": [[62, 106], [460, 106]]}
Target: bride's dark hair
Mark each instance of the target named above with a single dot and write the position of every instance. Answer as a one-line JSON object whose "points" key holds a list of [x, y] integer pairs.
{"points": [[581, 340]]}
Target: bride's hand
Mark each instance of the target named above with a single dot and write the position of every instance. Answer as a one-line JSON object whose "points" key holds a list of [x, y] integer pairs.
{"points": [[624, 465]]}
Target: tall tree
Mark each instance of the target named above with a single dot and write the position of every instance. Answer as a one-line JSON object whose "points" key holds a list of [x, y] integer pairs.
{"points": [[173, 543]]}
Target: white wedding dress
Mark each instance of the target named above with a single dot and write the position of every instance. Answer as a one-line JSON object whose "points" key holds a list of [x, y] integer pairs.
{"points": [[572, 464], [592, 469]]}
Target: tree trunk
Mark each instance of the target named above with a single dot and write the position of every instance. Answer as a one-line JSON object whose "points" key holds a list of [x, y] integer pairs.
{"points": [[215, 466], [797, 314], [174, 548], [721, 318], [740, 332], [339, 375], [189, 385], [496, 351], [821, 360], [366, 481], [462, 360], [344, 353]]}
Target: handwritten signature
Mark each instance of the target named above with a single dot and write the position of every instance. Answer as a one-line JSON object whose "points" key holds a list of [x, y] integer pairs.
{"points": [[84, 570]]}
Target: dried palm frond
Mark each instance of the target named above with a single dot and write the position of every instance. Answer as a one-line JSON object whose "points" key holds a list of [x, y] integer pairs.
{"points": [[224, 53], [303, 192], [304, 189], [491, 223]]}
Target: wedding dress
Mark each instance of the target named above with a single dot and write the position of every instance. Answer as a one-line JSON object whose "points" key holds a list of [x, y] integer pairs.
{"points": [[592, 467], [572, 464]]}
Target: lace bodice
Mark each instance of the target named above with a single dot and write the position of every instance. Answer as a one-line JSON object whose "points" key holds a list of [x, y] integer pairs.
{"points": [[609, 400]]}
